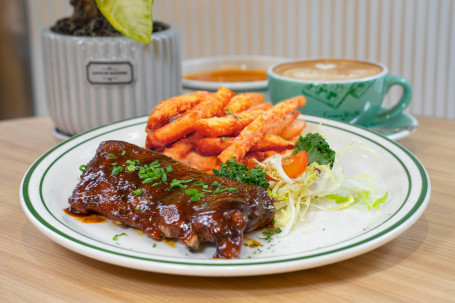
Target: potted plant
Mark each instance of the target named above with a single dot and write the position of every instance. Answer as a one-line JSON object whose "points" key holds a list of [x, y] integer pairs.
{"points": [[103, 64]]}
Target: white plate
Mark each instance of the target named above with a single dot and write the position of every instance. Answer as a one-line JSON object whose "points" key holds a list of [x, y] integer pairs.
{"points": [[325, 237]]}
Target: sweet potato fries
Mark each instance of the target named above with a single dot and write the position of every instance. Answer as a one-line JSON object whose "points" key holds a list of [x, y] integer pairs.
{"points": [[205, 129]]}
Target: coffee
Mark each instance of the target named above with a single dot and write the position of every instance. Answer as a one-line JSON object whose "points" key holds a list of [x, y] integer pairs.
{"points": [[328, 70], [342, 89]]}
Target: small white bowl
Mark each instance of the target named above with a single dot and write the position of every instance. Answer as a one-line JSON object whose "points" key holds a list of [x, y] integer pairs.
{"points": [[227, 62]]}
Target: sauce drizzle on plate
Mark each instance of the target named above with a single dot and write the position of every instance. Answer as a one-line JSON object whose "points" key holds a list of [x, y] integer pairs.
{"points": [[89, 218]]}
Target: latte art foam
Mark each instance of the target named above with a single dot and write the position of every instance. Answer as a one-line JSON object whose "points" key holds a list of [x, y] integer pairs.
{"points": [[328, 70]]}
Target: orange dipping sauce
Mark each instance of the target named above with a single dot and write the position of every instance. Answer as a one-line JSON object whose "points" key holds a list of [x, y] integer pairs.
{"points": [[229, 75]]}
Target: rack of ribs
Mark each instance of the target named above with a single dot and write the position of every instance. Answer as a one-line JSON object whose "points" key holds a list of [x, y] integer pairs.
{"points": [[166, 199]]}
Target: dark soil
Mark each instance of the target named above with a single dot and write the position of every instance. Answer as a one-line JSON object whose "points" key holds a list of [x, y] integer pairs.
{"points": [[87, 20]]}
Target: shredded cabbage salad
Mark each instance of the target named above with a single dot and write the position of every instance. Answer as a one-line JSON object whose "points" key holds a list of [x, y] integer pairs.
{"points": [[318, 186]]}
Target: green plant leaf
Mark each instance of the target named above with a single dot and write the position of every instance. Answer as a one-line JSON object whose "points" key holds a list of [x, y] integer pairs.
{"points": [[133, 18]]}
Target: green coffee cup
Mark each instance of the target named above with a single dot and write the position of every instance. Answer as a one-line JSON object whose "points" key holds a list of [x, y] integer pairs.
{"points": [[342, 89]]}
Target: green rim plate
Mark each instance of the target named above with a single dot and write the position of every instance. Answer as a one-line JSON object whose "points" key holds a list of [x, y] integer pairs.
{"points": [[323, 238]]}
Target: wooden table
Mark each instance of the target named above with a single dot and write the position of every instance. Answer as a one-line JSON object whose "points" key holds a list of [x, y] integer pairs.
{"points": [[417, 266]]}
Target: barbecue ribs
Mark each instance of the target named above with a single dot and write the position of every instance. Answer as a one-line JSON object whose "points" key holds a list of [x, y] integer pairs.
{"points": [[167, 199]]}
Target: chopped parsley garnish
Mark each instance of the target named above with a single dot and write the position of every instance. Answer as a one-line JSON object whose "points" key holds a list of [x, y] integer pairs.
{"points": [[117, 170], [115, 238], [269, 233], [132, 165], [111, 156], [191, 192], [197, 197], [152, 172], [138, 192], [82, 167], [222, 190], [179, 183], [194, 193], [240, 172], [201, 183], [155, 164], [123, 152]]}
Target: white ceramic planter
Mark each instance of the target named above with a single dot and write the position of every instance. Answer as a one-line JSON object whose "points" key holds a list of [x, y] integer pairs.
{"points": [[92, 81]]}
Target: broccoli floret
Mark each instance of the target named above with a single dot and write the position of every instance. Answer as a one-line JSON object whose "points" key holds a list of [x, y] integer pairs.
{"points": [[317, 148], [240, 172]]}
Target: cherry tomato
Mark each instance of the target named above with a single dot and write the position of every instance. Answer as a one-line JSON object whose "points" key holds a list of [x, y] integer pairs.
{"points": [[295, 165]]}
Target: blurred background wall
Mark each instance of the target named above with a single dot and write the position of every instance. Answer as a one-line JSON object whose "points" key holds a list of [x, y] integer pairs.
{"points": [[414, 38], [15, 82]]}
